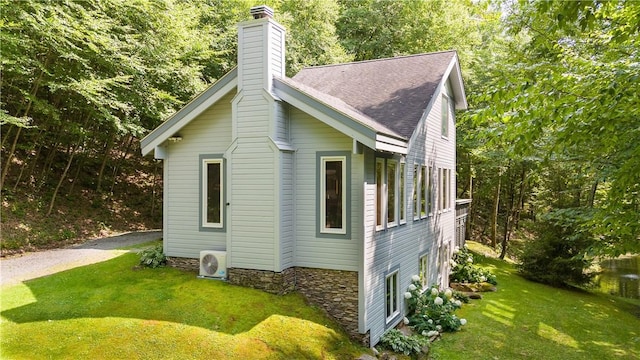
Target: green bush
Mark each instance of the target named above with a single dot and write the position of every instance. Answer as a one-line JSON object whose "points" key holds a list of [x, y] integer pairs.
{"points": [[464, 271], [396, 341], [432, 311], [558, 255], [153, 257]]}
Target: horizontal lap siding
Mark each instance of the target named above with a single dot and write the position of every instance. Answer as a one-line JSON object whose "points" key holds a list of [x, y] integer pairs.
{"points": [[309, 136], [402, 245], [209, 133]]}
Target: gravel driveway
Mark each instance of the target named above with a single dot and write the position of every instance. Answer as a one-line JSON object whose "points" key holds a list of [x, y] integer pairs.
{"points": [[37, 264]]}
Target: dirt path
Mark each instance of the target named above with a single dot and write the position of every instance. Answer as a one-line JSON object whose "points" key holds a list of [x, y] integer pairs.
{"points": [[37, 264]]}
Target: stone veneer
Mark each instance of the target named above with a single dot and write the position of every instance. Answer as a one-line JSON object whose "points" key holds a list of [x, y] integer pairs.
{"points": [[186, 264], [334, 291], [272, 282]]}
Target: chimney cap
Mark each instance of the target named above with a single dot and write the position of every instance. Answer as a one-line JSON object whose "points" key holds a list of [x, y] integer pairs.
{"points": [[261, 11]]}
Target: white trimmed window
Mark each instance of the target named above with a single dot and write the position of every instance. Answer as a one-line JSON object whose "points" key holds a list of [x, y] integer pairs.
{"points": [[401, 198], [416, 192], [333, 185], [390, 193], [423, 192], [445, 116], [424, 270], [212, 193], [429, 192], [391, 296]]}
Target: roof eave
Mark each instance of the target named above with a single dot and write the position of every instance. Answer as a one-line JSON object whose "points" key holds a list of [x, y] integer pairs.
{"points": [[195, 107], [457, 83]]}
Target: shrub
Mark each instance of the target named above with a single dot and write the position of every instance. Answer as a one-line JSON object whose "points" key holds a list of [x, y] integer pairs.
{"points": [[432, 310], [396, 341], [558, 255], [464, 271], [153, 257]]}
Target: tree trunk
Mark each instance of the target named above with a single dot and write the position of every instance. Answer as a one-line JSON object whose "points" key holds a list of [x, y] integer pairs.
{"points": [[592, 194], [520, 207], [34, 91], [494, 218], [107, 156], [510, 211], [9, 157], [71, 152], [117, 166]]}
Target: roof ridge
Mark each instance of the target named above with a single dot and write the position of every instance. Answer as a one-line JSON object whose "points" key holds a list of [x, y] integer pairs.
{"points": [[377, 60]]}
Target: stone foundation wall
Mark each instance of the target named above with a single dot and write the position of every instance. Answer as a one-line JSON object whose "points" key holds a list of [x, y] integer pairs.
{"points": [[272, 282], [336, 292], [186, 264]]}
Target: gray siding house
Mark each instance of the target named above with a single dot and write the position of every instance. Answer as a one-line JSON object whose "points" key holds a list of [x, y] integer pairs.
{"points": [[338, 183]]}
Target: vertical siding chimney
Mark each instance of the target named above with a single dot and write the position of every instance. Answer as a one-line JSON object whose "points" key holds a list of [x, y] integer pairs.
{"points": [[255, 119]]}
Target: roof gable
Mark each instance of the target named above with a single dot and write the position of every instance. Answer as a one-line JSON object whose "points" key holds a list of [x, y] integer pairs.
{"points": [[190, 111], [394, 92]]}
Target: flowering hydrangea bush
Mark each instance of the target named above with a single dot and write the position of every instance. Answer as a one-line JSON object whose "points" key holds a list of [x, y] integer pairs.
{"points": [[432, 311], [463, 270]]}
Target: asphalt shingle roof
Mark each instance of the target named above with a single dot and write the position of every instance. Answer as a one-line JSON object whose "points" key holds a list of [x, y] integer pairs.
{"points": [[393, 92]]}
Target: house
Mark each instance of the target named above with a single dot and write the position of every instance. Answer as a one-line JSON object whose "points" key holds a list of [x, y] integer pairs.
{"points": [[338, 182]]}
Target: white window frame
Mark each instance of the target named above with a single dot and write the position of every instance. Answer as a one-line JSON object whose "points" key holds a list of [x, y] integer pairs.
{"points": [[423, 266], [415, 195], [204, 192], [402, 196], [323, 195], [381, 194], [396, 212], [424, 205], [391, 293], [444, 116]]}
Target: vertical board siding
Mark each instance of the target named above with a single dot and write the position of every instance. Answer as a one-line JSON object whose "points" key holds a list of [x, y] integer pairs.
{"points": [[309, 136], [402, 245], [209, 133], [252, 205]]}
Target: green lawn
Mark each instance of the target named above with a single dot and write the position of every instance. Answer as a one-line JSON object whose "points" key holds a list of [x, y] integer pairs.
{"points": [[114, 310], [526, 320]]}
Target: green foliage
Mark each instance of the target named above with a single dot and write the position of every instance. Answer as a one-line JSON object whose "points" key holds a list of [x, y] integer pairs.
{"points": [[153, 257], [564, 97], [395, 340], [464, 271], [559, 254], [432, 311]]}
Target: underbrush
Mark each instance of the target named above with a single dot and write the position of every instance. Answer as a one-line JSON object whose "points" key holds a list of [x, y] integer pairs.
{"points": [[80, 212]]}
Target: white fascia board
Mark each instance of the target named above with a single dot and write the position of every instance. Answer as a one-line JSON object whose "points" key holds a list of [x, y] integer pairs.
{"points": [[385, 143], [457, 84], [190, 111], [368, 141]]}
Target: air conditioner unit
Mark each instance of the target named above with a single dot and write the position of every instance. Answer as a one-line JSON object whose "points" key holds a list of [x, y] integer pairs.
{"points": [[213, 264]]}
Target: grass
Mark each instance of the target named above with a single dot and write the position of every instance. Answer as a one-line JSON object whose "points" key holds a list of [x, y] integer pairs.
{"points": [[527, 320], [115, 310]]}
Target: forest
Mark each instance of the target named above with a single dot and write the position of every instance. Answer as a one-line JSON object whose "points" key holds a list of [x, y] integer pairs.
{"points": [[549, 150]]}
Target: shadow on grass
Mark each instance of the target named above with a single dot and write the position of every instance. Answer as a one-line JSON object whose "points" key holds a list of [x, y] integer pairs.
{"points": [[118, 288]]}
